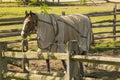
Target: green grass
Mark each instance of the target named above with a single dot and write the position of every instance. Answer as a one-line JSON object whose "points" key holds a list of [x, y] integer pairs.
{"points": [[19, 11], [12, 12], [8, 27], [105, 46], [11, 4]]}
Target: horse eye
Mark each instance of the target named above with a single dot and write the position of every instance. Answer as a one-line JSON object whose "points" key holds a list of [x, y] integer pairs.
{"points": [[28, 22]]}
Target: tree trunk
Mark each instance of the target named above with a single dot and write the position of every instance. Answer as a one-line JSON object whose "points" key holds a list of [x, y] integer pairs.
{"points": [[107, 0], [53, 1], [58, 1]]}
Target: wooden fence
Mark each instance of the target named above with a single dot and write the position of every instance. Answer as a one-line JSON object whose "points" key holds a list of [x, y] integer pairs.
{"points": [[113, 23], [34, 55], [72, 58]]}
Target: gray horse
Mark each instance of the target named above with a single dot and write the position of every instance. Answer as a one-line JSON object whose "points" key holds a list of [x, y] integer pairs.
{"points": [[53, 29]]}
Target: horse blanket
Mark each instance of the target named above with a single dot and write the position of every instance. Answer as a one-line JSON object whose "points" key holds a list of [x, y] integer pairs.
{"points": [[61, 29]]}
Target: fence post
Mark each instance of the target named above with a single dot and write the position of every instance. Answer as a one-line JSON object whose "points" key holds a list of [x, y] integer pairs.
{"points": [[3, 61], [73, 68], [63, 13], [25, 61], [25, 64], [1, 77], [24, 45], [114, 21]]}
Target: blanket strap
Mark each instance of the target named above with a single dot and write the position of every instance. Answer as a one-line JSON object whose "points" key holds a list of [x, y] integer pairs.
{"points": [[45, 21], [72, 27], [55, 24]]}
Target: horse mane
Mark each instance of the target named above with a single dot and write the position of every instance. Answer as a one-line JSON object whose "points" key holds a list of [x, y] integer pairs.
{"points": [[29, 14]]}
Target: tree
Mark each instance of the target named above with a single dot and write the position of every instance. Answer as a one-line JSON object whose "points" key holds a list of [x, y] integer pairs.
{"points": [[58, 1], [53, 1], [26, 2]]}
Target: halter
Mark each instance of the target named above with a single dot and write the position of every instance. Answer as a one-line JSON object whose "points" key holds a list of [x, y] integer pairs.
{"points": [[31, 28]]}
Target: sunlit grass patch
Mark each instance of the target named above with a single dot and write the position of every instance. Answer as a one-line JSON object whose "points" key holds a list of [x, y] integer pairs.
{"points": [[13, 12], [105, 46]]}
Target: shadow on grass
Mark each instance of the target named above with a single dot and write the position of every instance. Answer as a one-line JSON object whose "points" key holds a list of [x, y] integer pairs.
{"points": [[104, 75], [105, 46]]}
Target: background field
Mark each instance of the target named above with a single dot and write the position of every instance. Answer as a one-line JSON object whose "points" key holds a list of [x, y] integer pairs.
{"points": [[12, 12]]}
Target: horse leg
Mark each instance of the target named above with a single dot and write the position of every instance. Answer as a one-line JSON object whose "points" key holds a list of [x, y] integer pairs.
{"points": [[81, 65], [48, 65], [81, 69], [61, 49], [47, 60], [64, 65]]}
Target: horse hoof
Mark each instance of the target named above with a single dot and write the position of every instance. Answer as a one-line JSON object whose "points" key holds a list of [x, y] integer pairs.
{"points": [[48, 71]]}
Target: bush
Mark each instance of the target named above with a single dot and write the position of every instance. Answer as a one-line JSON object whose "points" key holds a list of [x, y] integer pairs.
{"points": [[34, 3]]}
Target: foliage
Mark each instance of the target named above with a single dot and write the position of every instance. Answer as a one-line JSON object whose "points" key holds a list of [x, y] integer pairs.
{"points": [[44, 8], [34, 3], [19, 0], [84, 2]]}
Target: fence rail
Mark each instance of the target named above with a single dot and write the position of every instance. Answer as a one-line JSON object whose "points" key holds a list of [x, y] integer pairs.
{"points": [[72, 58], [62, 56]]}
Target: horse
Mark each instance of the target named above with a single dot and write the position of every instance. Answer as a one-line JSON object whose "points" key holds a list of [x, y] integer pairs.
{"points": [[52, 29]]}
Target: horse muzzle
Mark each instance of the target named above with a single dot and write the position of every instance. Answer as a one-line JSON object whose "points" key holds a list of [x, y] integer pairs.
{"points": [[23, 35]]}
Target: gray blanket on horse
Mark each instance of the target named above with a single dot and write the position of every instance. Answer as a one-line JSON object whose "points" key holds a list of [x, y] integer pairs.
{"points": [[61, 29]]}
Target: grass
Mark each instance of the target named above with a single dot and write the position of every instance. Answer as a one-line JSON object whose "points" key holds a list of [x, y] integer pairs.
{"points": [[6, 12], [10, 27], [10, 4], [12, 12]]}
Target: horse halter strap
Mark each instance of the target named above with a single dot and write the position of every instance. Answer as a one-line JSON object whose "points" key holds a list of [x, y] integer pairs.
{"points": [[52, 17], [35, 23]]}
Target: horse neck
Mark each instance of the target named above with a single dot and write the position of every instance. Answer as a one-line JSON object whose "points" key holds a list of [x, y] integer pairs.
{"points": [[41, 16], [44, 30]]}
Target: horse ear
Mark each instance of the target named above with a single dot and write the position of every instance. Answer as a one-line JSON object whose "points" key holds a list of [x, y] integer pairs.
{"points": [[26, 13], [30, 12]]}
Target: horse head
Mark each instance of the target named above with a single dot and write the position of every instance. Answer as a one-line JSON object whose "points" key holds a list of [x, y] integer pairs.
{"points": [[30, 22]]}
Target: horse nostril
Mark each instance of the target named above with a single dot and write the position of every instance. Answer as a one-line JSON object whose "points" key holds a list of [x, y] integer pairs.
{"points": [[23, 35]]}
